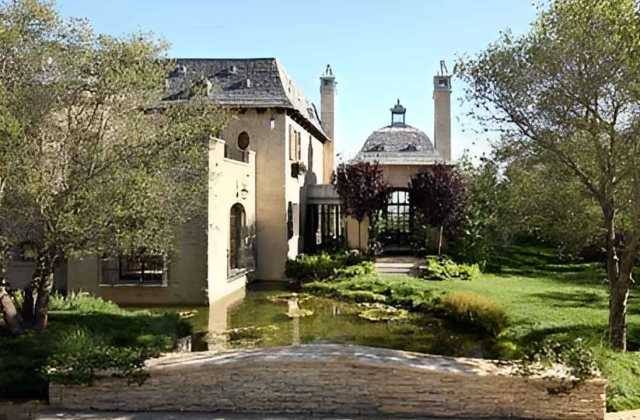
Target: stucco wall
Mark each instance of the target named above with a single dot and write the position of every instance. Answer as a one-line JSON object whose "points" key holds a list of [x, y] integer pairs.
{"points": [[400, 175], [340, 380], [271, 212], [232, 182], [296, 188], [187, 278]]}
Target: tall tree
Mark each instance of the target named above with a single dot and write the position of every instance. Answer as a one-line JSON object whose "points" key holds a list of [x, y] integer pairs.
{"points": [[363, 189], [94, 163], [440, 194], [571, 98]]}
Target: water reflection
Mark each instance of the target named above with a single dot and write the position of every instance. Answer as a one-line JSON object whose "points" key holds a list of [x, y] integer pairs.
{"points": [[270, 315]]}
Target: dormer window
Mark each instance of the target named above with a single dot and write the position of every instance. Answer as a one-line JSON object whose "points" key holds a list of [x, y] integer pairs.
{"points": [[398, 114]]}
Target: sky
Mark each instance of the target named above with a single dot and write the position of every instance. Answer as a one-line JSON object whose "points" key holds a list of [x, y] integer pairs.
{"points": [[380, 51]]}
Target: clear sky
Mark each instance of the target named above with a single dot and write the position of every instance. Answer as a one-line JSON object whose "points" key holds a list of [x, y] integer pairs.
{"points": [[379, 50]]}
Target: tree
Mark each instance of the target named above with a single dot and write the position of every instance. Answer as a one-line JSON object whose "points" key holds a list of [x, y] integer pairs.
{"points": [[570, 98], [439, 193], [94, 163], [482, 227], [362, 188]]}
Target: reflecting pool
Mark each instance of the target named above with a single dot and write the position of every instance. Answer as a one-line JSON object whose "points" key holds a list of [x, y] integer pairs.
{"points": [[269, 315]]}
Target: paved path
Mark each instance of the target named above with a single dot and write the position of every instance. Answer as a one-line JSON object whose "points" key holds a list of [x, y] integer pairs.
{"points": [[626, 415], [102, 415]]}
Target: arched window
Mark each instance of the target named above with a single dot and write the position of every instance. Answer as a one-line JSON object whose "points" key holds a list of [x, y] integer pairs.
{"points": [[237, 226]]}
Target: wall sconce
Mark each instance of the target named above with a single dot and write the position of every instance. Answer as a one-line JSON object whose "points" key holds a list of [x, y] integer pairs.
{"points": [[272, 122]]}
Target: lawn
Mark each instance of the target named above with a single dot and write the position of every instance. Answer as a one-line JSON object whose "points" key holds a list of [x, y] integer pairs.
{"points": [[544, 297]]}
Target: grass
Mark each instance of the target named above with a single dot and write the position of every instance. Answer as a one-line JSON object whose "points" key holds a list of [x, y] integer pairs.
{"points": [[82, 328], [544, 297]]}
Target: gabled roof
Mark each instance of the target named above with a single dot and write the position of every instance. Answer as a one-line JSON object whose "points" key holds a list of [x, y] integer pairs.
{"points": [[399, 144], [247, 83]]}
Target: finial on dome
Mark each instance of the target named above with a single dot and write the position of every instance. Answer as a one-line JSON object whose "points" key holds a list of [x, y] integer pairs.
{"points": [[398, 114]]}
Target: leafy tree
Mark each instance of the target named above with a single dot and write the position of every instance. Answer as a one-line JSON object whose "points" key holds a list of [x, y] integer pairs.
{"points": [[94, 163], [534, 207], [570, 98], [440, 194], [482, 226], [362, 188]]}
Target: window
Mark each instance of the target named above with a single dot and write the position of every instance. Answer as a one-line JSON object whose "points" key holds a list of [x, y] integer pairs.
{"points": [[243, 141], [237, 238], [137, 268], [443, 83], [292, 143], [293, 220], [295, 144]]}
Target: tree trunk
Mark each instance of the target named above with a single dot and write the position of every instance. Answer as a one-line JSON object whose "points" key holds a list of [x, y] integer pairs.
{"points": [[619, 278], [440, 241], [359, 235], [46, 270], [619, 295], [10, 314]]}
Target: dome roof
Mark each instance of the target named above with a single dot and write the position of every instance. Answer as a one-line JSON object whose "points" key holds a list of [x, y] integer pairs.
{"points": [[399, 144]]}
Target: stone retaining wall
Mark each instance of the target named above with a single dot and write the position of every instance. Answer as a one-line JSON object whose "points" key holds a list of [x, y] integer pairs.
{"points": [[339, 380]]}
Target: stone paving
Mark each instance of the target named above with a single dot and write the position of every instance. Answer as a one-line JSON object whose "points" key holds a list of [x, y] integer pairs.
{"points": [[103, 415]]}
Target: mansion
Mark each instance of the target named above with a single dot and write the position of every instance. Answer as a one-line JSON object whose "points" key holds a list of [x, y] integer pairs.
{"points": [[270, 197]]}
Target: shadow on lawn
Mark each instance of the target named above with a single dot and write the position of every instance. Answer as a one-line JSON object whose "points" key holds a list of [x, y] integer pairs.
{"points": [[574, 299], [544, 263]]}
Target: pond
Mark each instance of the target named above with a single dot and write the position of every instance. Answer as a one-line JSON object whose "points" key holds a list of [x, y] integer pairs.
{"points": [[276, 315]]}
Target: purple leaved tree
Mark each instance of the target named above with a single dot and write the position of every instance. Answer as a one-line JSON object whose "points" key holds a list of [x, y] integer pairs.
{"points": [[440, 194], [362, 188]]}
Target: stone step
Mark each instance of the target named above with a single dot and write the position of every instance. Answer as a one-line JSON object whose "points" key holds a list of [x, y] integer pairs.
{"points": [[395, 265]]}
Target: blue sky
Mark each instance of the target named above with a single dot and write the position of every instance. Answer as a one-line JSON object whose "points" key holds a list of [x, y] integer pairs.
{"points": [[380, 50]]}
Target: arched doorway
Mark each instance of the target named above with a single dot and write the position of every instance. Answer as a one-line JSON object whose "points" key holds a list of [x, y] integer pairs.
{"points": [[395, 221], [237, 236]]}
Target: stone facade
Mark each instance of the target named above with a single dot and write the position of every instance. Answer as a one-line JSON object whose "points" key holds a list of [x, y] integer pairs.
{"points": [[339, 380]]}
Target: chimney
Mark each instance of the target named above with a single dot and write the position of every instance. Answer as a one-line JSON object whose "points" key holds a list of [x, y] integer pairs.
{"points": [[442, 106], [327, 110]]}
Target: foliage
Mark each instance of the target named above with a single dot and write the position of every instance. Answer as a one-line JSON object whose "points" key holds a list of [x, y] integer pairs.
{"points": [[535, 206], [307, 268], [574, 354], [475, 310], [94, 162], [83, 303], [443, 268], [409, 293], [483, 226], [81, 357], [362, 188], [439, 193], [85, 335], [546, 297], [567, 100]]}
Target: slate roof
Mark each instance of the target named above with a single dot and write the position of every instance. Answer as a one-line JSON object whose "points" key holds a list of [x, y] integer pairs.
{"points": [[246, 83], [399, 144]]}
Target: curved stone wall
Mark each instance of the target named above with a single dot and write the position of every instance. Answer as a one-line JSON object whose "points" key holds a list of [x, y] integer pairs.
{"points": [[339, 380]]}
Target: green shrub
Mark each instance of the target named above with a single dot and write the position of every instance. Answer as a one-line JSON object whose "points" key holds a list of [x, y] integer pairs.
{"points": [[475, 310], [85, 335], [308, 268], [361, 269], [408, 293], [82, 302], [80, 356], [574, 354], [443, 268]]}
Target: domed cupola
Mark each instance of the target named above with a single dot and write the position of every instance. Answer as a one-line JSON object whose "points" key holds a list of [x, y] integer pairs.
{"points": [[399, 143]]}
